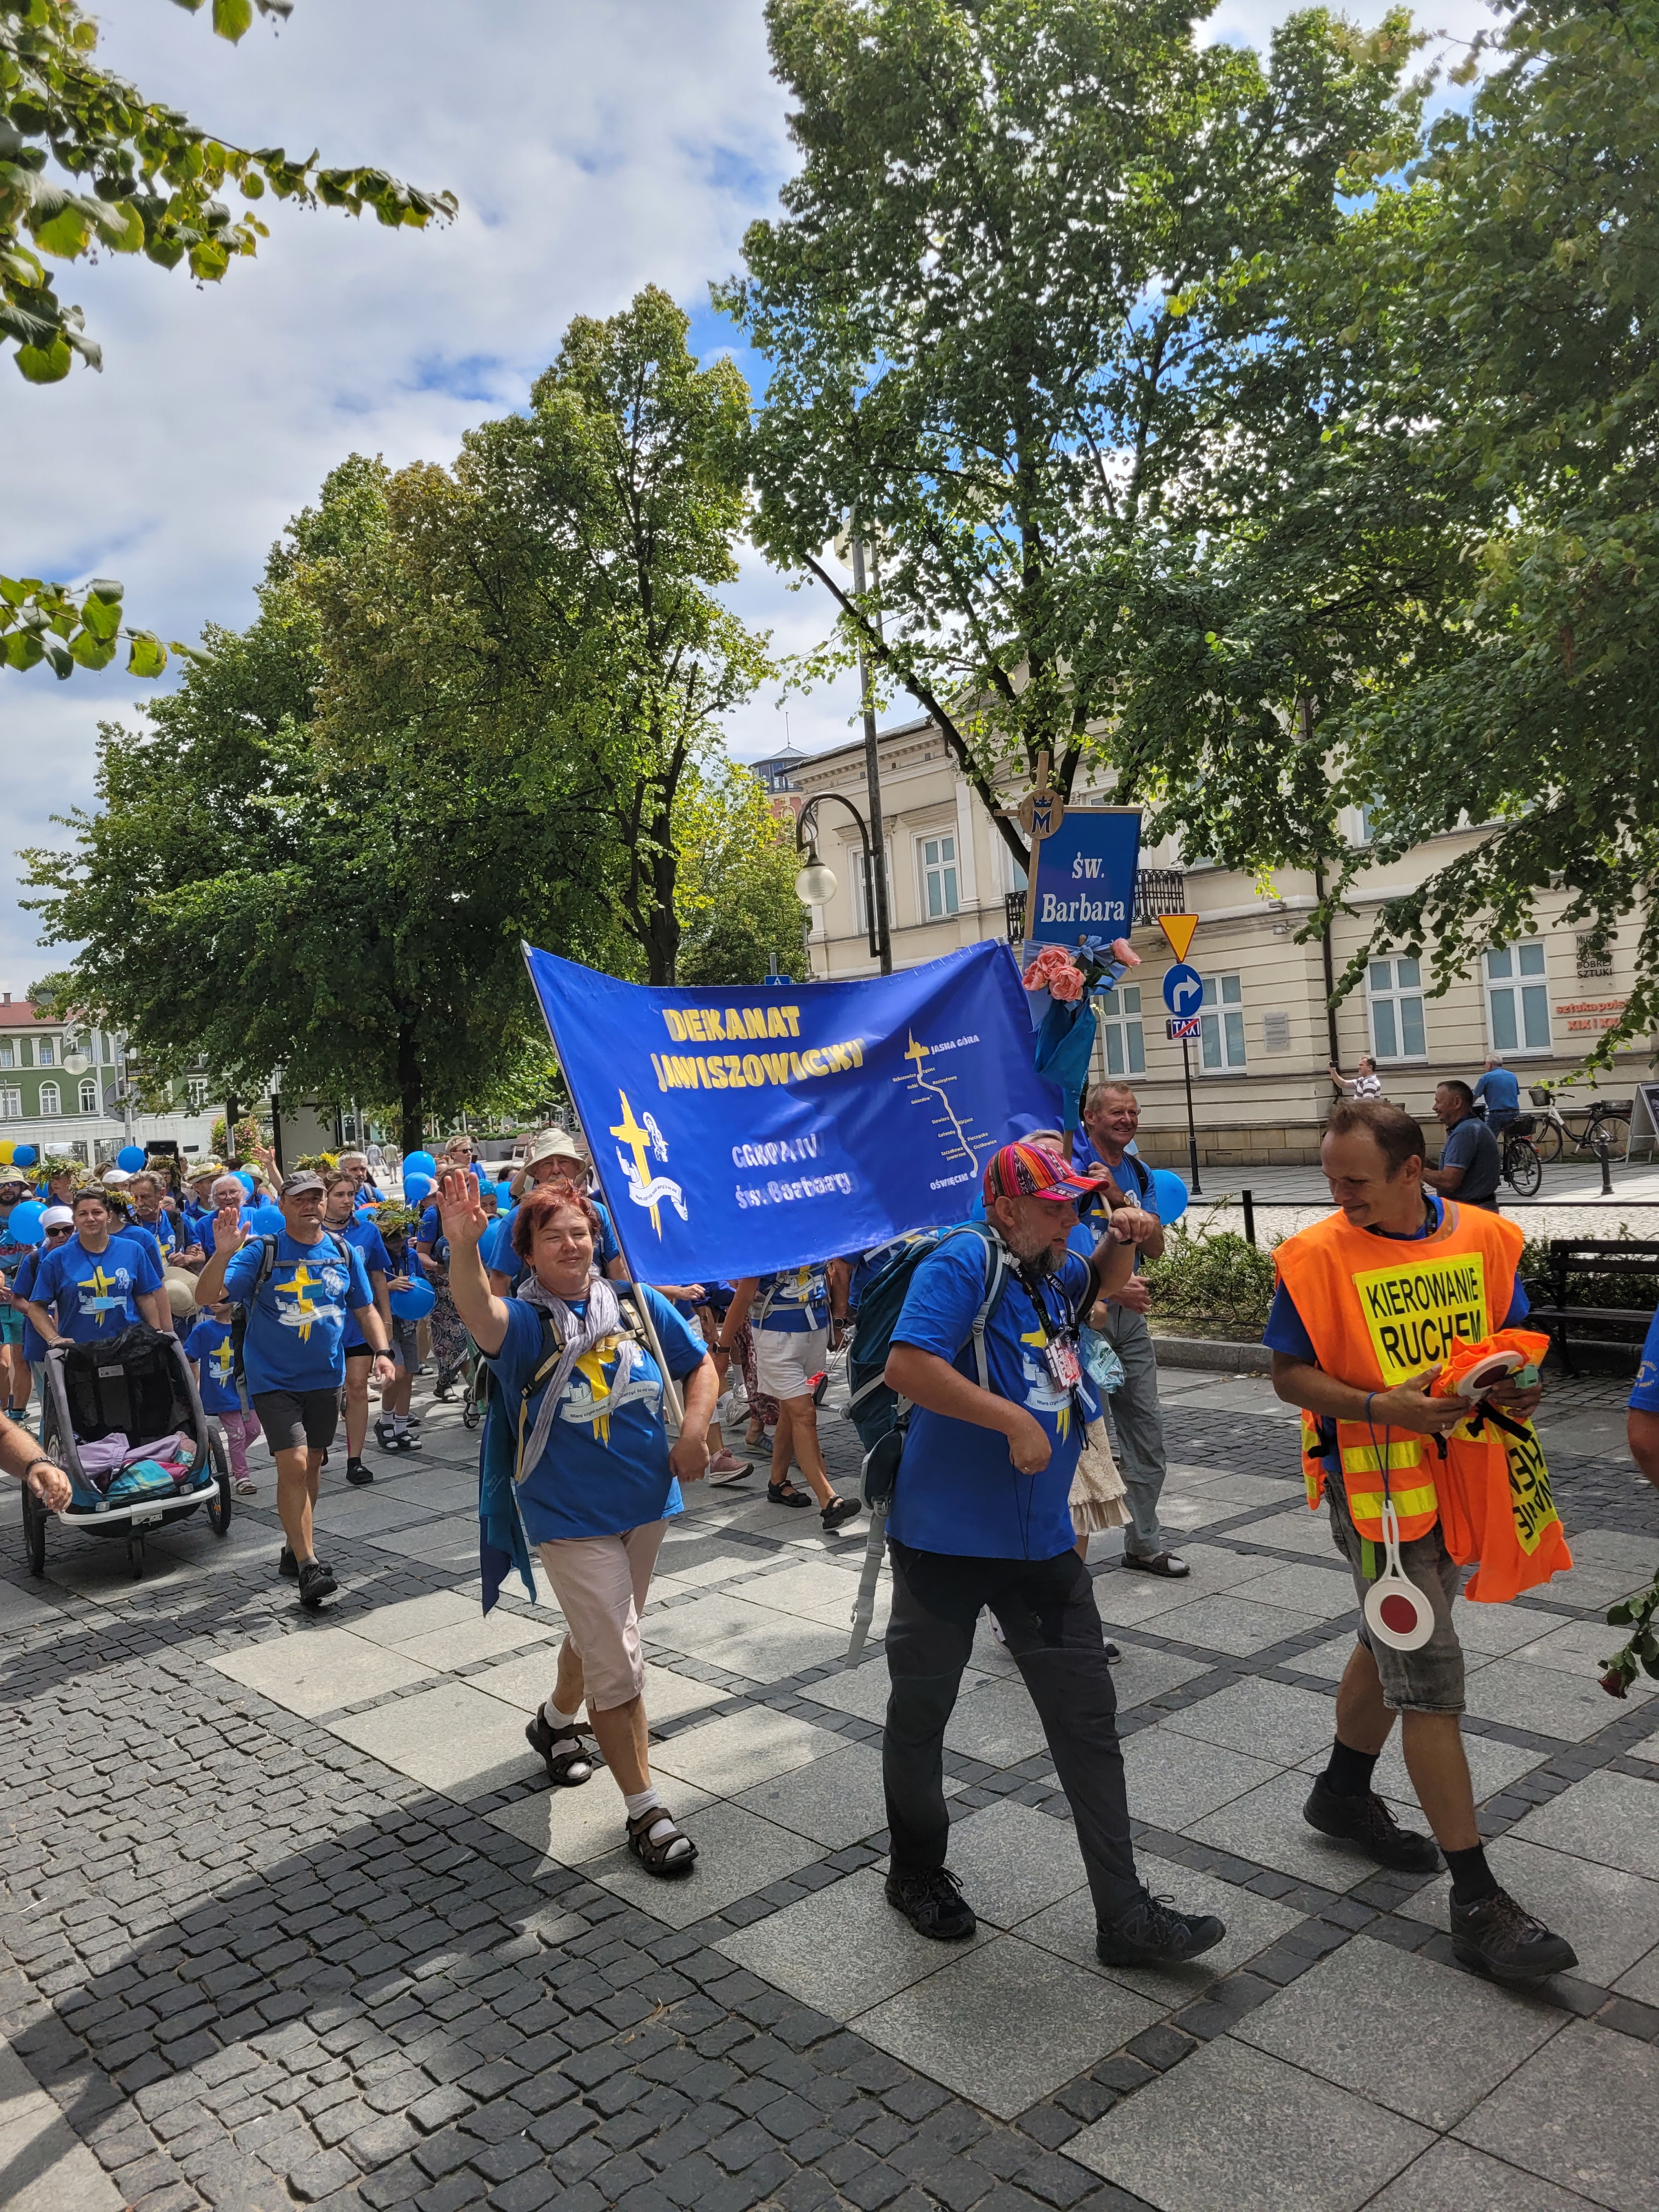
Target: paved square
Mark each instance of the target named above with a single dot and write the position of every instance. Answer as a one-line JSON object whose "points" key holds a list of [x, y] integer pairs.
{"points": [[290, 1913]]}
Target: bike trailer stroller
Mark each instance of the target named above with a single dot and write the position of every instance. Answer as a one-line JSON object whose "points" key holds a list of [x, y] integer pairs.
{"points": [[137, 1387]]}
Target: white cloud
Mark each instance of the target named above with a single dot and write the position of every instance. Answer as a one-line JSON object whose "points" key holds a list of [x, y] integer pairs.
{"points": [[593, 150]]}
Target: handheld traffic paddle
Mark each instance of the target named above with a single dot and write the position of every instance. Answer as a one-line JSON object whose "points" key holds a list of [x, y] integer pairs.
{"points": [[1395, 1609]]}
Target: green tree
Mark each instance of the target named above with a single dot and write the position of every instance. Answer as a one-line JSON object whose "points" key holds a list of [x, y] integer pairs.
{"points": [[241, 894], [550, 606], [736, 887], [1000, 323], [89, 165], [1499, 307]]}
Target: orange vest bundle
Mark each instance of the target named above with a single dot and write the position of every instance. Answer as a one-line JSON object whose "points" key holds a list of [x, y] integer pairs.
{"points": [[1381, 1312]]}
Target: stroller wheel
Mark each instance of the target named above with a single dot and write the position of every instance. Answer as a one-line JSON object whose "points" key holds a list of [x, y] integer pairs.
{"points": [[135, 1557], [218, 1511], [34, 1533]]}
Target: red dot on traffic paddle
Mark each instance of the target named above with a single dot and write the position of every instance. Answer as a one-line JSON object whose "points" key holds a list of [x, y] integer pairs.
{"points": [[1398, 1614]]}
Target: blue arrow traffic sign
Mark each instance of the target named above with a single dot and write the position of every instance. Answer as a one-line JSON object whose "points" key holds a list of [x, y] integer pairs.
{"points": [[1183, 990]]}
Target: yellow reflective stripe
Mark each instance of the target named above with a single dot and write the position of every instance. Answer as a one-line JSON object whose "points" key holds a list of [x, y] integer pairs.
{"points": [[1366, 1459], [1367, 1505]]}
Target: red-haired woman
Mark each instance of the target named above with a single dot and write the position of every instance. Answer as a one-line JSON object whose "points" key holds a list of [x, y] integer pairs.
{"points": [[597, 1480]]}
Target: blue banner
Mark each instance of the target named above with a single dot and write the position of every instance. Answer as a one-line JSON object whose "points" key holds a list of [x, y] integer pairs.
{"points": [[739, 1132], [1086, 877]]}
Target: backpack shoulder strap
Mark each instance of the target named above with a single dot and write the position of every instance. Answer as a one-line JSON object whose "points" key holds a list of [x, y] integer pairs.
{"points": [[267, 1263], [552, 1346]]}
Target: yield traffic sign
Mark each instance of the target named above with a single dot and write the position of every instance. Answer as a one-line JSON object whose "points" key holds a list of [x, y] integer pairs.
{"points": [[1178, 928]]}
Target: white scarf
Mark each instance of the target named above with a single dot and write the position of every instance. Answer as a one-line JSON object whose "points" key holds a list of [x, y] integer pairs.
{"points": [[577, 1332]]}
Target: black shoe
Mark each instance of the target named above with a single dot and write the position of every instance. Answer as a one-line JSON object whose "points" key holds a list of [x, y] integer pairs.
{"points": [[1153, 1933], [1367, 1823], [1113, 1650], [315, 1583], [406, 1443], [932, 1902], [383, 1435], [1498, 1937], [357, 1473], [288, 1567], [838, 1512], [567, 1758], [1168, 1564]]}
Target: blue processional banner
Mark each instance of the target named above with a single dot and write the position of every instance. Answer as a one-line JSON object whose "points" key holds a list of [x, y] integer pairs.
{"points": [[739, 1132], [1086, 876]]}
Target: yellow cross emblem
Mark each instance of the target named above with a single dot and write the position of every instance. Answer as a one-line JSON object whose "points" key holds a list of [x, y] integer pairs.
{"points": [[301, 1285], [638, 1142], [102, 1286]]}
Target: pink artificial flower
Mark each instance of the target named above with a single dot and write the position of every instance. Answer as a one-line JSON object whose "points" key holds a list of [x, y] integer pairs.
{"points": [[1051, 961], [1065, 984], [1123, 950]]}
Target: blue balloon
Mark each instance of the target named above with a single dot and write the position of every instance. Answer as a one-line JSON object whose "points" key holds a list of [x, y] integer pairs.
{"points": [[246, 1180], [418, 1187], [132, 1157], [24, 1225], [1169, 1195], [265, 1220], [24, 1156], [416, 1303], [423, 1163]]}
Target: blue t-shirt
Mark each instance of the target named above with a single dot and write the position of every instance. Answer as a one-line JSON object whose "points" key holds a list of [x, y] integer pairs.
{"points": [[144, 1233], [1287, 1333], [94, 1293], [1644, 1398], [1471, 1146], [205, 1228], [23, 1284], [496, 1245], [959, 1490], [605, 1469], [793, 1301], [1501, 1089], [209, 1343], [161, 1229], [295, 1337], [365, 1238]]}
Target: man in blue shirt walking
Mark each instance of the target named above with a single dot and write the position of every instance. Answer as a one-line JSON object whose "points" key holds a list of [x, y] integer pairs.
{"points": [[981, 1516], [299, 1290]]}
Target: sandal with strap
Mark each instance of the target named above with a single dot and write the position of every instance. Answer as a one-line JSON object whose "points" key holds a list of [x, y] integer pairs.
{"points": [[566, 1757], [660, 1844], [785, 1494]]}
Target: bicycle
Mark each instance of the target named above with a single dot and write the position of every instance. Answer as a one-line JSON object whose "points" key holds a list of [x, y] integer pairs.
{"points": [[1607, 1124], [1520, 1168]]}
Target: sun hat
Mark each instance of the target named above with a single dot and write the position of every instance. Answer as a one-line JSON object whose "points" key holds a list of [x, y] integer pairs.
{"points": [[551, 1143], [1033, 1172]]}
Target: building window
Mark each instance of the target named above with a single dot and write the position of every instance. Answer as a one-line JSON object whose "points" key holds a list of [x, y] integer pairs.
{"points": [[938, 877], [89, 1097], [861, 890], [11, 1102], [1120, 1032], [1518, 998], [1590, 962], [1395, 990], [48, 1052], [1221, 1025], [49, 1098], [8, 1053], [195, 1096]]}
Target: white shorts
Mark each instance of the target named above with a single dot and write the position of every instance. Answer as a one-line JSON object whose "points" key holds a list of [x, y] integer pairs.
{"points": [[786, 1359]]}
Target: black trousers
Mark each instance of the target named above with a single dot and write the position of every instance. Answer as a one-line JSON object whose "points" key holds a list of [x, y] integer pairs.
{"points": [[1047, 1611]]}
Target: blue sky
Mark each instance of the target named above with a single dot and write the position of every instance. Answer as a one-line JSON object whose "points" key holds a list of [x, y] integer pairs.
{"points": [[594, 149]]}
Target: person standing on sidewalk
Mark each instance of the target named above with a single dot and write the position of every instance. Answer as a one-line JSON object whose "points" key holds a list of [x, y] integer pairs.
{"points": [[1471, 1165], [981, 1516], [298, 1289], [1366, 1301], [1111, 1115]]}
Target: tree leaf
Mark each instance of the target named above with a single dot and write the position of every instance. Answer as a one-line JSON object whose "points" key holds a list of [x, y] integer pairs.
{"points": [[148, 656], [45, 364]]}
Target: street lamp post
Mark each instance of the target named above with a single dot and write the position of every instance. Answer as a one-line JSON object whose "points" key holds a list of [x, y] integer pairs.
{"points": [[815, 885], [878, 882]]}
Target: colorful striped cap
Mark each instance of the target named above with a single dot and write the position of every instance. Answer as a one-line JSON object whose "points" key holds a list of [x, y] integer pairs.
{"points": [[1033, 1172]]}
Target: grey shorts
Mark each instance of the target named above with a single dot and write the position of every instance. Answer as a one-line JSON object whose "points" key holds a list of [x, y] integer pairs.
{"points": [[404, 1349], [1430, 1678], [298, 1420]]}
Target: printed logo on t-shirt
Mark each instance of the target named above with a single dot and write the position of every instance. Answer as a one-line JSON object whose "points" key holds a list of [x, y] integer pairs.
{"points": [[103, 1291], [589, 1400], [302, 1286], [221, 1362], [1043, 1394]]}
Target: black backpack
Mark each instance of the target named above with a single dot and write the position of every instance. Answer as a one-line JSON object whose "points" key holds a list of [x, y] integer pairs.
{"points": [[872, 1404]]}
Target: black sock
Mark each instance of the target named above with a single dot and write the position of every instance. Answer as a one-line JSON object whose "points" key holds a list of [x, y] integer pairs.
{"points": [[1472, 1880], [1349, 1773]]}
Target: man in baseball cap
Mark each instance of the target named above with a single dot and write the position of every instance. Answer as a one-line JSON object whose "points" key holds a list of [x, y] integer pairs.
{"points": [[981, 1516]]}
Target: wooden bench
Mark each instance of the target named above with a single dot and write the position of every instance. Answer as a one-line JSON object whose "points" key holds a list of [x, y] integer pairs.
{"points": [[1553, 1308]]}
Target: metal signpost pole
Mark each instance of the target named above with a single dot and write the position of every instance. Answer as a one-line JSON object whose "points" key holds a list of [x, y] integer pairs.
{"points": [[1191, 1132]]}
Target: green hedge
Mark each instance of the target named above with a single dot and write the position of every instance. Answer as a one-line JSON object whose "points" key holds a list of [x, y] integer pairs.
{"points": [[1212, 1275]]}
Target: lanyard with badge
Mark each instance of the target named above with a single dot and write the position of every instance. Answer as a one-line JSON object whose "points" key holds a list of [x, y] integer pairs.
{"points": [[1060, 1351]]}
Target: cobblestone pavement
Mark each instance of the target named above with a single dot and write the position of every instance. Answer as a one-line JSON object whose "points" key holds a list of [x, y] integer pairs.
{"points": [[291, 1915]]}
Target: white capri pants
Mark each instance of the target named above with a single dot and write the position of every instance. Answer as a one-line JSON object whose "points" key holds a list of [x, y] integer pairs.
{"points": [[600, 1583], [786, 1359]]}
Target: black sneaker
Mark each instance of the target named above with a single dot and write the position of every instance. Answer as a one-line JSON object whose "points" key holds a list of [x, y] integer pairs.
{"points": [[315, 1583], [838, 1512], [1500, 1938], [357, 1473], [288, 1567], [1153, 1933], [932, 1902], [1367, 1823]]}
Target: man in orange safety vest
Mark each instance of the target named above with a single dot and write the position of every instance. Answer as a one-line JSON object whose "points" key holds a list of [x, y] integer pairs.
{"points": [[1367, 1302]]}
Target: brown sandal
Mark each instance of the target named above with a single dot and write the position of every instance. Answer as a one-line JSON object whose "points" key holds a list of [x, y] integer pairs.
{"points": [[652, 1852]]}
